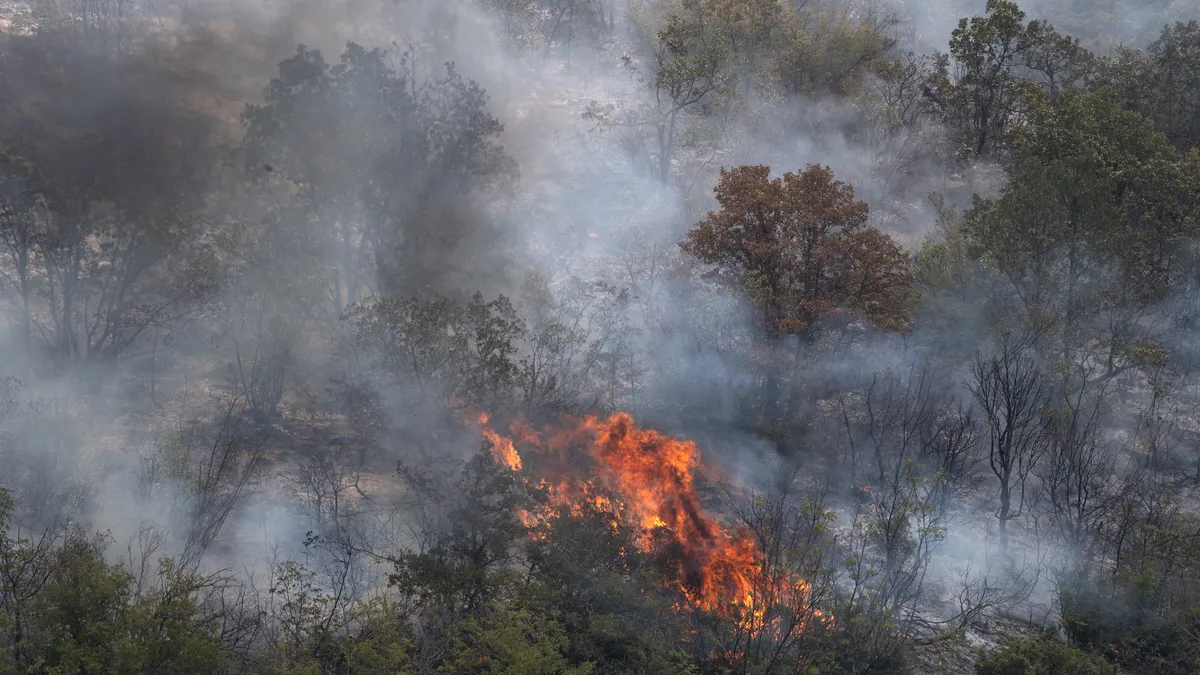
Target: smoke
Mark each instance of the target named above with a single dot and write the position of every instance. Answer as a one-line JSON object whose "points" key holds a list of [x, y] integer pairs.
{"points": [[235, 372]]}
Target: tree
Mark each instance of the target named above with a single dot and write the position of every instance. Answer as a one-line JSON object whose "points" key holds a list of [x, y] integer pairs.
{"points": [[998, 58], [899, 131], [204, 473], [830, 51], [1176, 108], [901, 418], [1077, 476], [799, 248], [688, 84], [19, 235], [520, 21], [1161, 82], [102, 27], [64, 609], [1010, 389], [103, 218], [467, 536], [382, 161], [562, 20], [576, 354], [1093, 220], [510, 639], [753, 31], [422, 354]]}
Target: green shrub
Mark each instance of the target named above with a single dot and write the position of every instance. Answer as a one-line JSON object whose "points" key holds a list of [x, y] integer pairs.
{"points": [[1042, 657], [1147, 628]]}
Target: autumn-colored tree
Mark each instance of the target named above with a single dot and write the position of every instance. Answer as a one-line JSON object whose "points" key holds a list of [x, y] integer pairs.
{"points": [[801, 250]]}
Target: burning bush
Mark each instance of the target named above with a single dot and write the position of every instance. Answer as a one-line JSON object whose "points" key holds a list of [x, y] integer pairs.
{"points": [[648, 479]]}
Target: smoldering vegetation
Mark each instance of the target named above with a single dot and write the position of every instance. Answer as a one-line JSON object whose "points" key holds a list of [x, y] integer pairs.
{"points": [[570, 336]]}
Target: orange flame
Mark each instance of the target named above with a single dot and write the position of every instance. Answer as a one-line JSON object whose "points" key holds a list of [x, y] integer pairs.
{"points": [[502, 448], [652, 478]]}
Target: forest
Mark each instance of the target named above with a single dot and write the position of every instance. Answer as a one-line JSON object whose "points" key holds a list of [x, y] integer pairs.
{"points": [[549, 337]]}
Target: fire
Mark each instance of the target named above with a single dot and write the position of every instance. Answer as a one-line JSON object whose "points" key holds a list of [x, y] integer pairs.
{"points": [[502, 448], [648, 478], [575, 498]]}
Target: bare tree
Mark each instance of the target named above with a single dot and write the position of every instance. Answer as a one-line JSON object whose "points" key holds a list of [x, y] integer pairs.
{"points": [[951, 452], [561, 20], [885, 572], [206, 474], [323, 483], [578, 349], [18, 237], [104, 26], [890, 422], [791, 527], [1010, 389], [1078, 474], [338, 541]]}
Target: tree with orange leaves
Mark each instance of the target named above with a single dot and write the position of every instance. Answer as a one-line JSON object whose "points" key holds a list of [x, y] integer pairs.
{"points": [[800, 248]]}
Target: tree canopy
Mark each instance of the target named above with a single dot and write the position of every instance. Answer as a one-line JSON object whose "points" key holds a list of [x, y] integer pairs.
{"points": [[800, 249]]}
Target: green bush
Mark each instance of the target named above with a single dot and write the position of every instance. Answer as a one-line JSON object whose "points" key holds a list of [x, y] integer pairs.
{"points": [[1042, 657], [1146, 627]]}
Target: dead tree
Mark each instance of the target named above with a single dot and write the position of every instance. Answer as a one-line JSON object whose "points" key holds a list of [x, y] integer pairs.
{"points": [[1077, 474], [1010, 390]]}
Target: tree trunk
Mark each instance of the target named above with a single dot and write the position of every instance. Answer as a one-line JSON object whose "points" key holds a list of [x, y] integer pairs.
{"points": [[1005, 513], [803, 341], [771, 398]]}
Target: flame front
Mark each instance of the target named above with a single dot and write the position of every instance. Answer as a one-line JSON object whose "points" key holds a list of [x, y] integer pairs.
{"points": [[502, 448], [655, 476], [648, 478]]}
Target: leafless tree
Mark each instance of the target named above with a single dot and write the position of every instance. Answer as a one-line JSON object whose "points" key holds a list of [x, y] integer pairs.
{"points": [[1078, 475], [214, 470], [578, 348], [561, 20], [951, 452], [323, 483], [339, 541], [106, 26], [999, 587], [890, 422], [1010, 389], [18, 238], [886, 571]]}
